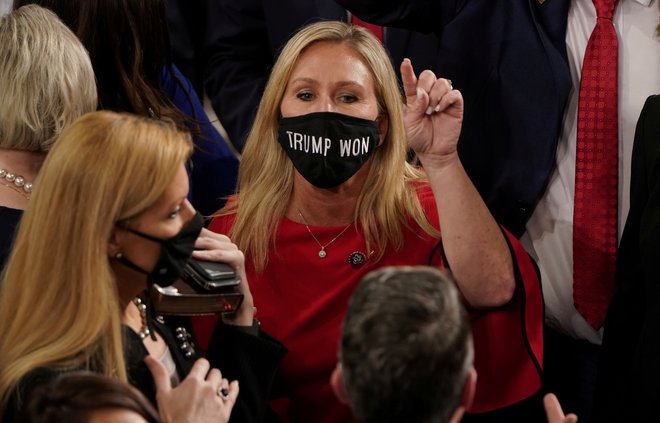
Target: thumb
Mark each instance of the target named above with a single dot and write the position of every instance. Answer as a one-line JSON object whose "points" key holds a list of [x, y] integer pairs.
{"points": [[159, 373]]}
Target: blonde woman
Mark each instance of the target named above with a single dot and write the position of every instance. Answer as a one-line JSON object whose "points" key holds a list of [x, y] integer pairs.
{"points": [[326, 195], [109, 216], [46, 81]]}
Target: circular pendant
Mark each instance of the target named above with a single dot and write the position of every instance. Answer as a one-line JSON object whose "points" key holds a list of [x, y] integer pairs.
{"points": [[322, 253], [357, 259]]}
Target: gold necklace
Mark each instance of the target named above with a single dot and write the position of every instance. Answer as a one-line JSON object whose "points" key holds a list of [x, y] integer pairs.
{"points": [[15, 182], [322, 253]]}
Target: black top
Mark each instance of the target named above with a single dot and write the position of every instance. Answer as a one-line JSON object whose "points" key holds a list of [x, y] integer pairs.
{"points": [[9, 219]]}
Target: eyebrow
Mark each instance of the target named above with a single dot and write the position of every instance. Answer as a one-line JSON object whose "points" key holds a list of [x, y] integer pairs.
{"points": [[178, 201], [314, 81]]}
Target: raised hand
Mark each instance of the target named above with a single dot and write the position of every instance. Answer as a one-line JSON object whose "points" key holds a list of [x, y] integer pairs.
{"points": [[433, 114], [203, 396]]}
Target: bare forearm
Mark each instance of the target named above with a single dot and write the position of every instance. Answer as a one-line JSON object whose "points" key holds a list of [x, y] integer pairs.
{"points": [[474, 244]]}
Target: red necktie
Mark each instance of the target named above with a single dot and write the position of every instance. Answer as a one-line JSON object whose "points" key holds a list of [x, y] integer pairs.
{"points": [[596, 172], [374, 29]]}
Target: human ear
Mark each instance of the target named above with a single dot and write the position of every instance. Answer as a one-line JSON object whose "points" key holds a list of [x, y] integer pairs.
{"points": [[337, 383], [469, 388], [383, 127], [114, 243]]}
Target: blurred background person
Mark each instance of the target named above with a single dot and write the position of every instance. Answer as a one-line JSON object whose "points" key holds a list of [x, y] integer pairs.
{"points": [[46, 81], [129, 46]]}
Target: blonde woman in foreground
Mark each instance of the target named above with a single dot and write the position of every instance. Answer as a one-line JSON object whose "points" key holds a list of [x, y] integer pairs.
{"points": [[108, 217]]}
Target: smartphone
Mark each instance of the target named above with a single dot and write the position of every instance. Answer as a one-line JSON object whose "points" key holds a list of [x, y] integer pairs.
{"points": [[210, 275]]}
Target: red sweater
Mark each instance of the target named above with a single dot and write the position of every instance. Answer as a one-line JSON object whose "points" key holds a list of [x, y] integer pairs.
{"points": [[301, 300]]}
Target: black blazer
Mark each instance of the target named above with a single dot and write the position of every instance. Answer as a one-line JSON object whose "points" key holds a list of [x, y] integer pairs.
{"points": [[628, 388], [508, 59], [243, 40]]}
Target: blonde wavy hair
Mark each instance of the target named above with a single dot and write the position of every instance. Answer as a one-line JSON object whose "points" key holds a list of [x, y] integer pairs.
{"points": [[266, 173], [46, 79], [59, 304]]}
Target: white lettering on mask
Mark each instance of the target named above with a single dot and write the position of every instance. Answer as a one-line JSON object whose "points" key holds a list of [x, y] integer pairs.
{"points": [[354, 147], [302, 142]]}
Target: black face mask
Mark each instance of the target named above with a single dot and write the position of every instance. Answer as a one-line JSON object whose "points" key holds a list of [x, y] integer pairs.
{"points": [[174, 253], [328, 148]]}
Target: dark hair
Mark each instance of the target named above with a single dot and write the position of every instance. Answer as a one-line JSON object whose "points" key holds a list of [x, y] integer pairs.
{"points": [[129, 46], [406, 346], [73, 397]]}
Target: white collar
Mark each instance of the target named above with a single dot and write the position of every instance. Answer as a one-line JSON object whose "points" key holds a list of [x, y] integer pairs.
{"points": [[646, 3]]}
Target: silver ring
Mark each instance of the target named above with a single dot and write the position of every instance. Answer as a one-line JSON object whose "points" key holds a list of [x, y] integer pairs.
{"points": [[223, 393]]}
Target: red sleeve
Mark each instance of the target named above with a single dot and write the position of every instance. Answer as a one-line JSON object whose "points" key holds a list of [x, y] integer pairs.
{"points": [[508, 340]]}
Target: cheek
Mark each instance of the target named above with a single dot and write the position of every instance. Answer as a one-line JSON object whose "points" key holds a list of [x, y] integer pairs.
{"points": [[144, 253], [289, 108]]}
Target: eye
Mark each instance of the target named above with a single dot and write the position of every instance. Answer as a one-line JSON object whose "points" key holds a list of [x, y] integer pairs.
{"points": [[348, 98], [305, 95], [175, 213]]}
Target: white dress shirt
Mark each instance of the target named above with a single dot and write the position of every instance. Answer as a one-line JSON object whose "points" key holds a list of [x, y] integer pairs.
{"points": [[549, 236]]}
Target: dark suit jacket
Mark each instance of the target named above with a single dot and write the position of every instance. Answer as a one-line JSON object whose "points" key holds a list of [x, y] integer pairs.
{"points": [[508, 59], [244, 37], [628, 389]]}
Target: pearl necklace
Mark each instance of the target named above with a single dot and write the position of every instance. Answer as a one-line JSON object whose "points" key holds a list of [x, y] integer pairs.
{"points": [[142, 307], [322, 253], [15, 182]]}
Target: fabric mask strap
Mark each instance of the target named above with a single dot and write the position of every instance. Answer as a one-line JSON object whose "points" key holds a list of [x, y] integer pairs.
{"points": [[151, 310], [128, 263], [143, 235]]}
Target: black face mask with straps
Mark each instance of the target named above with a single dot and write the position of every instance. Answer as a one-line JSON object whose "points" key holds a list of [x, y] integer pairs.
{"points": [[328, 148], [174, 253]]}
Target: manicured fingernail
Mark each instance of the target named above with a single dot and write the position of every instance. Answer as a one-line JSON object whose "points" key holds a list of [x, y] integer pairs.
{"points": [[437, 108], [429, 110]]}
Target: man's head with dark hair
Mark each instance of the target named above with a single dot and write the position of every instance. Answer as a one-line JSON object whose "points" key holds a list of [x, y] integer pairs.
{"points": [[406, 348]]}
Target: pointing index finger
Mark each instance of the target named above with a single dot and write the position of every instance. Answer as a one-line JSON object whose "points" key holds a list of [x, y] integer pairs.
{"points": [[409, 79]]}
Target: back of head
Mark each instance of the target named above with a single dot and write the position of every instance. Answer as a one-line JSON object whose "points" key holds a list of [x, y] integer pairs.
{"points": [[106, 167], [129, 46], [406, 347], [46, 79], [75, 397]]}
